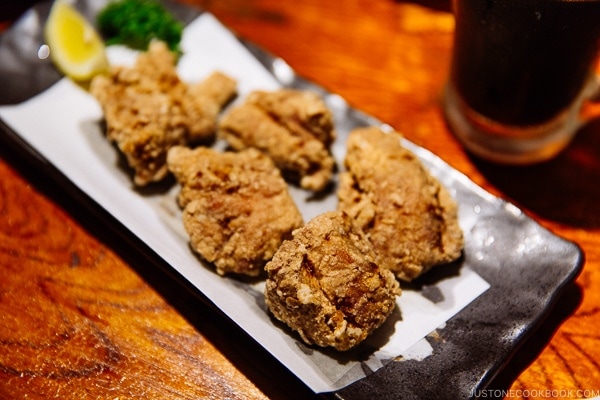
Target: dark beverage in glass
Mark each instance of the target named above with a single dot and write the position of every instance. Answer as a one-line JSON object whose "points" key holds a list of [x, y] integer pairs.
{"points": [[522, 63]]}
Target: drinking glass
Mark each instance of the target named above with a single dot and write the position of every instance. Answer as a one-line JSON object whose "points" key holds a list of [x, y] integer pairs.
{"points": [[521, 71]]}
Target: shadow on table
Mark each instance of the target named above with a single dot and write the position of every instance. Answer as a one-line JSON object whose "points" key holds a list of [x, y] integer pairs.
{"points": [[565, 189]]}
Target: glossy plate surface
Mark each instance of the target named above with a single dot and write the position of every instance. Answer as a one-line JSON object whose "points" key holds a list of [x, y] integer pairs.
{"points": [[525, 267]]}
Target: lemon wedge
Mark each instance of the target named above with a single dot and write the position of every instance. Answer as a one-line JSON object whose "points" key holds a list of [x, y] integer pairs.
{"points": [[76, 48]]}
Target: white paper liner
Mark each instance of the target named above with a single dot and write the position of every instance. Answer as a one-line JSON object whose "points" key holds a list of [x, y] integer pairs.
{"points": [[63, 124]]}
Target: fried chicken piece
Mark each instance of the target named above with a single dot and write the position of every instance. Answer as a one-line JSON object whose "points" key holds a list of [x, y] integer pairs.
{"points": [[301, 111], [294, 127], [204, 101], [148, 109], [408, 216], [325, 285], [236, 206]]}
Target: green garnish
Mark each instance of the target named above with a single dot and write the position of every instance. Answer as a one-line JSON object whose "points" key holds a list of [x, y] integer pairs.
{"points": [[135, 23]]}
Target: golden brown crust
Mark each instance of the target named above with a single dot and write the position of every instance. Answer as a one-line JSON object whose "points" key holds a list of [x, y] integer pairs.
{"points": [[293, 127], [408, 216], [236, 206], [203, 103], [148, 109], [302, 112], [325, 285]]}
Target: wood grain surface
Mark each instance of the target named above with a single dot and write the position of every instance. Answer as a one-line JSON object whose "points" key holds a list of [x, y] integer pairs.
{"points": [[82, 316]]}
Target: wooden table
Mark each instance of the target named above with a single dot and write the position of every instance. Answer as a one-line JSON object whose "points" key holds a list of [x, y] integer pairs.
{"points": [[82, 317]]}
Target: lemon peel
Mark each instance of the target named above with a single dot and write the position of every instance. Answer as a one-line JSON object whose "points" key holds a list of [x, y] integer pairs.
{"points": [[76, 48]]}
